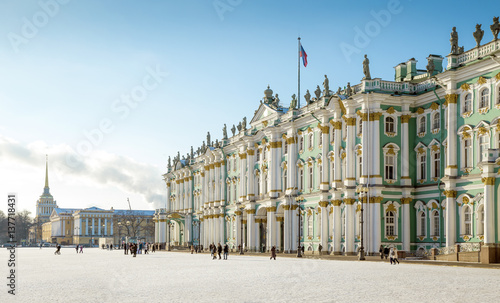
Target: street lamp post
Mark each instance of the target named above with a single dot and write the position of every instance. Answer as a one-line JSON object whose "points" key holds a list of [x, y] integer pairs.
{"points": [[362, 191], [241, 232], [299, 248]]}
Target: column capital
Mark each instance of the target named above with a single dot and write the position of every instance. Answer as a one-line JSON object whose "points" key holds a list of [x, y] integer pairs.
{"points": [[250, 211], [451, 98], [405, 118], [286, 207], [336, 124], [406, 200], [323, 203], [271, 209], [336, 202], [488, 180], [349, 201], [450, 193]]}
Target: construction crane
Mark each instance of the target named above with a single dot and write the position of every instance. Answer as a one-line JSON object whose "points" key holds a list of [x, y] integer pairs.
{"points": [[129, 204]]}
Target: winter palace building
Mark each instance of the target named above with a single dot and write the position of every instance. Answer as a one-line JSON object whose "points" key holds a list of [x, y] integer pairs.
{"points": [[416, 159]]}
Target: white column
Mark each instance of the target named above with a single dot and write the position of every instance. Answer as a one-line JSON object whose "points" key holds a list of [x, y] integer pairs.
{"points": [[451, 152], [489, 202], [243, 171], [291, 163], [349, 228], [93, 226], [105, 226], [450, 216], [287, 229], [406, 223], [271, 227], [99, 226], [325, 184], [251, 229], [250, 174], [337, 226], [87, 226], [324, 225], [111, 227]]}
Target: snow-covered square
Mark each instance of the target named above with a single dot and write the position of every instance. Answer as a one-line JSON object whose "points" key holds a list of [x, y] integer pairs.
{"points": [[110, 276]]}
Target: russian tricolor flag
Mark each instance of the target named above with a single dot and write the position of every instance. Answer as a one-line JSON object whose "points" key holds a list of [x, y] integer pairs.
{"points": [[303, 55]]}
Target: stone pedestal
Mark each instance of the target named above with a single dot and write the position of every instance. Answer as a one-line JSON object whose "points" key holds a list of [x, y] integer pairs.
{"points": [[490, 253]]}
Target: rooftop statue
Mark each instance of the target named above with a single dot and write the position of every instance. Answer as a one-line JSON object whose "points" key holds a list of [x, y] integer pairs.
{"points": [[203, 147], [495, 28], [339, 91], [478, 34], [244, 123], [366, 68], [216, 142], [233, 129], [430, 66], [307, 96], [169, 166], [208, 138], [192, 153], [326, 85], [239, 127], [276, 101], [348, 90], [454, 41], [224, 131], [293, 103], [317, 92]]}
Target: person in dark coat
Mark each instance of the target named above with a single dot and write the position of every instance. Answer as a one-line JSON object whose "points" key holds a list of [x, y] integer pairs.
{"points": [[381, 251], [219, 250], [76, 248], [125, 248], [226, 251], [214, 252], [273, 253], [386, 252]]}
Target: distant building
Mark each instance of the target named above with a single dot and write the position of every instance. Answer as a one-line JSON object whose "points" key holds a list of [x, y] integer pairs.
{"points": [[86, 226], [416, 159]]}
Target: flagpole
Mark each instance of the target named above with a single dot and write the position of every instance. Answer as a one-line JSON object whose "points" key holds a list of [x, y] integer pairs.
{"points": [[298, 97]]}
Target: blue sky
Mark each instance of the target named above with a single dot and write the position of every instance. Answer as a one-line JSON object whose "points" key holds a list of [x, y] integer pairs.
{"points": [[215, 59]]}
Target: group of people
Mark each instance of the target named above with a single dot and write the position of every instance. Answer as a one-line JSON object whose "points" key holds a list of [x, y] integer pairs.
{"points": [[217, 250], [392, 253], [79, 246], [137, 248]]}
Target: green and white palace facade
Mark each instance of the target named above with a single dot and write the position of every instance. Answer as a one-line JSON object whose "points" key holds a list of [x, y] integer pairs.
{"points": [[416, 159]]}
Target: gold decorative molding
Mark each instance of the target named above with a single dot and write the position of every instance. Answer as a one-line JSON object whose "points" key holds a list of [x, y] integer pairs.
{"points": [[434, 106], [465, 86], [406, 200], [482, 131], [271, 209], [286, 207], [343, 155], [420, 110], [324, 129], [391, 110], [375, 116], [497, 77], [238, 212], [481, 80], [323, 203], [390, 151], [336, 125], [336, 202], [450, 193], [451, 98], [250, 152], [488, 180], [250, 211], [376, 199], [349, 201], [276, 144], [350, 121], [421, 150], [211, 166], [242, 156], [291, 140], [265, 123], [309, 129], [435, 148], [294, 207], [217, 164], [405, 118]]}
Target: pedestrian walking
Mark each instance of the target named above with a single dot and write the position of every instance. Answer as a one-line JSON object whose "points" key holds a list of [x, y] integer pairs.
{"points": [[81, 249], [381, 251], [76, 248], [273, 253], [386, 252], [214, 252], [154, 248], [320, 247], [192, 249], [125, 248], [58, 251], [219, 250], [393, 256], [226, 251], [41, 245], [146, 248]]}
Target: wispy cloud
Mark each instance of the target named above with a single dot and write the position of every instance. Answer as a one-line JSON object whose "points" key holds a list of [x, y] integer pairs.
{"points": [[99, 167]]}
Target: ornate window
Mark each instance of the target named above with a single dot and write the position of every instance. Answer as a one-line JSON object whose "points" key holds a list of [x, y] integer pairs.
{"points": [[467, 220], [421, 224], [320, 169], [436, 120], [258, 186], [467, 108], [422, 166], [359, 166], [285, 148], [257, 157], [320, 134], [310, 224], [311, 176], [480, 219], [301, 143], [235, 193], [390, 223], [484, 144], [435, 223], [390, 167], [343, 223], [484, 101], [436, 164], [301, 179], [389, 125], [421, 125], [264, 153], [310, 141], [360, 127], [229, 191], [467, 153], [235, 164], [390, 162]]}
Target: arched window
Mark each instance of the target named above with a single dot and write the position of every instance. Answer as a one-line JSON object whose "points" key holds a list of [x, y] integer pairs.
{"points": [[320, 168], [285, 148], [257, 157], [311, 176], [301, 143], [310, 225], [258, 186], [229, 192], [422, 221], [310, 140], [467, 153], [435, 223], [436, 163], [484, 144], [467, 103], [480, 220], [389, 167], [320, 139], [360, 127], [422, 169], [264, 153], [390, 223], [467, 221], [421, 128], [284, 185], [485, 98], [389, 125], [436, 121], [235, 193]]}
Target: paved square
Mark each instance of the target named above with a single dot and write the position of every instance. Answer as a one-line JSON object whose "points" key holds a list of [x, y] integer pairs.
{"points": [[110, 276]]}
